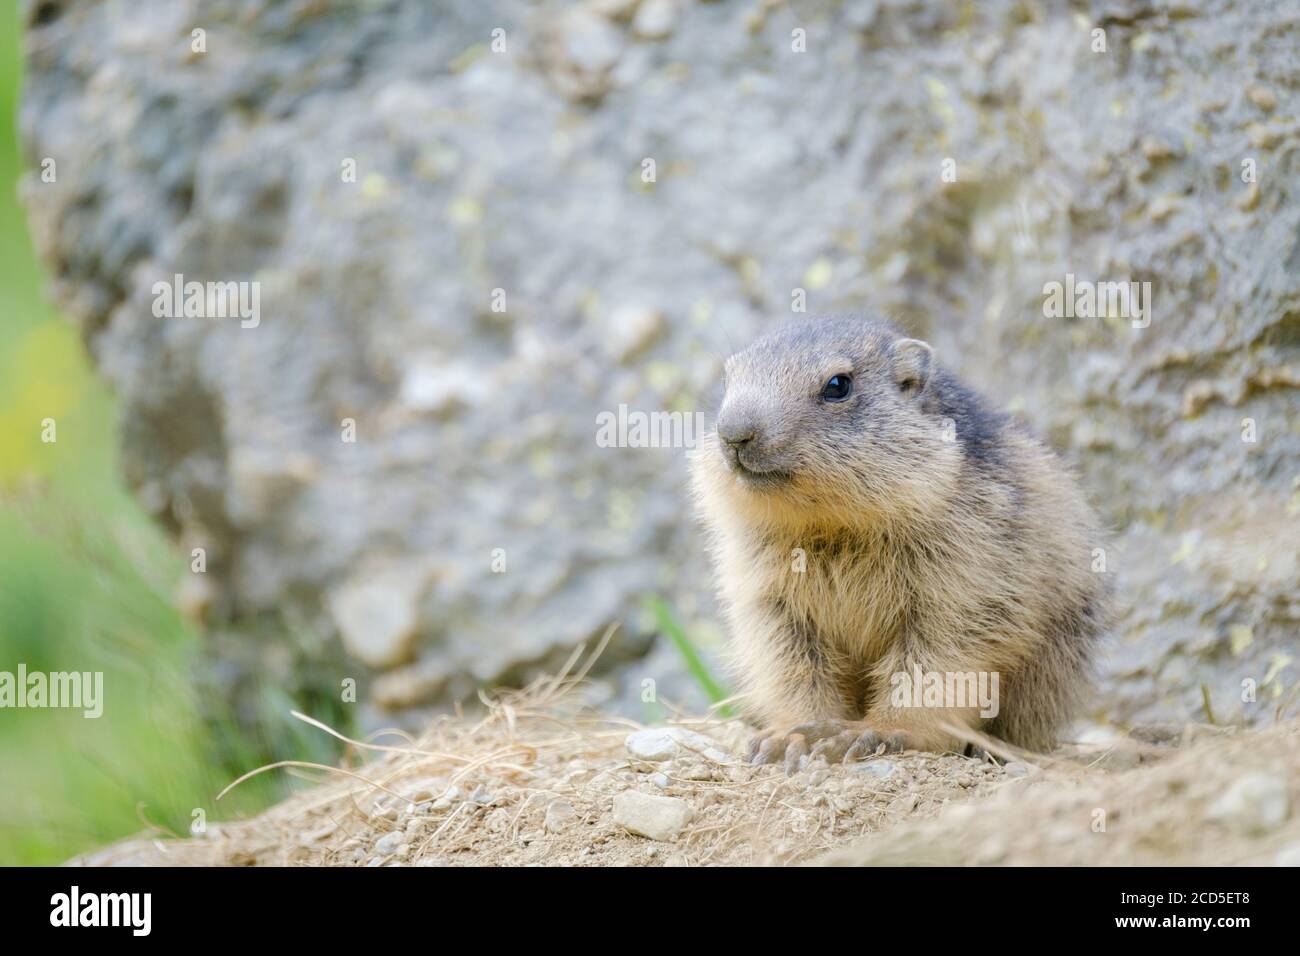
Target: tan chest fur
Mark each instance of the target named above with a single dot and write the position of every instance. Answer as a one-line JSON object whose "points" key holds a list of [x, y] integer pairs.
{"points": [[851, 589]]}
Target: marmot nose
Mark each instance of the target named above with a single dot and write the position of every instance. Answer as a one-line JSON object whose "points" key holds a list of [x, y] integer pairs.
{"points": [[737, 431], [740, 424]]}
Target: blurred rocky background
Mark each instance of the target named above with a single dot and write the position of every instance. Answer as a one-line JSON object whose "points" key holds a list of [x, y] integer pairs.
{"points": [[515, 161]]}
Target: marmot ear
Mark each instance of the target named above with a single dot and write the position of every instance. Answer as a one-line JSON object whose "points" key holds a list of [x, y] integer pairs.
{"points": [[913, 361]]}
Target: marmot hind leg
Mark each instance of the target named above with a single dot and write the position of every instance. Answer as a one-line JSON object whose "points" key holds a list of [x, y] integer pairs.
{"points": [[1039, 699]]}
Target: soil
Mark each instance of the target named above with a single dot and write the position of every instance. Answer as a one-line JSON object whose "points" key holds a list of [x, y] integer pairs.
{"points": [[533, 781]]}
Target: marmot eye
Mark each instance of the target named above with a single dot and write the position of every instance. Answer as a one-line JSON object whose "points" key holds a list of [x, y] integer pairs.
{"points": [[837, 388]]}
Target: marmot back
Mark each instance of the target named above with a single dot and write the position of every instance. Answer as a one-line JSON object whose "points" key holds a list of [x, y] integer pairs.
{"points": [[896, 560]]}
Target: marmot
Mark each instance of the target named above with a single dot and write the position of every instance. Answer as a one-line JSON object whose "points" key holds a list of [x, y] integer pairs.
{"points": [[870, 516]]}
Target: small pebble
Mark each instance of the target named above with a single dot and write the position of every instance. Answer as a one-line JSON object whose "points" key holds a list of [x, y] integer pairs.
{"points": [[389, 843], [655, 19], [664, 743], [1288, 856], [880, 769], [659, 818], [559, 814], [447, 799], [1255, 804]]}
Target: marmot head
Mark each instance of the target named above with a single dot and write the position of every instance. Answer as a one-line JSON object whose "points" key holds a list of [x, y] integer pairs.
{"points": [[831, 421]]}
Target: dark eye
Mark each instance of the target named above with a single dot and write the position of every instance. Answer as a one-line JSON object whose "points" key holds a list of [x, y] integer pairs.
{"points": [[837, 388]]}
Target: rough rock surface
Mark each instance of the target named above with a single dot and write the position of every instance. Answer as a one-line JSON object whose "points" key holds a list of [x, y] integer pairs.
{"points": [[522, 171]]}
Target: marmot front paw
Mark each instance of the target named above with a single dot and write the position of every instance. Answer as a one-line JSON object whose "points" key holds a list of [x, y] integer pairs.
{"points": [[835, 740]]}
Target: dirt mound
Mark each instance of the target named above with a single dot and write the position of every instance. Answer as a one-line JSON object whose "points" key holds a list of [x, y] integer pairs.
{"points": [[1224, 801], [537, 780]]}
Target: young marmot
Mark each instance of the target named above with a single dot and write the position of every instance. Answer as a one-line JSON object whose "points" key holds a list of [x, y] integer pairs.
{"points": [[874, 523]]}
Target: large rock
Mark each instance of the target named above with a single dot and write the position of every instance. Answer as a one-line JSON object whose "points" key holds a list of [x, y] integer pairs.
{"points": [[522, 171]]}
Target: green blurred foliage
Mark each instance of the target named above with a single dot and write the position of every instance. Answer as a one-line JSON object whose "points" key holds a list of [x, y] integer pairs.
{"points": [[86, 584], [667, 622]]}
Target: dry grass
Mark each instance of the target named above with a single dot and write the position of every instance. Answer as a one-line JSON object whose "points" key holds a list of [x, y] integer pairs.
{"points": [[478, 792]]}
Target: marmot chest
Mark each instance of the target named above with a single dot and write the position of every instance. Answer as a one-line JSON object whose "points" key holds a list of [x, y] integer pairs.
{"points": [[854, 593]]}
